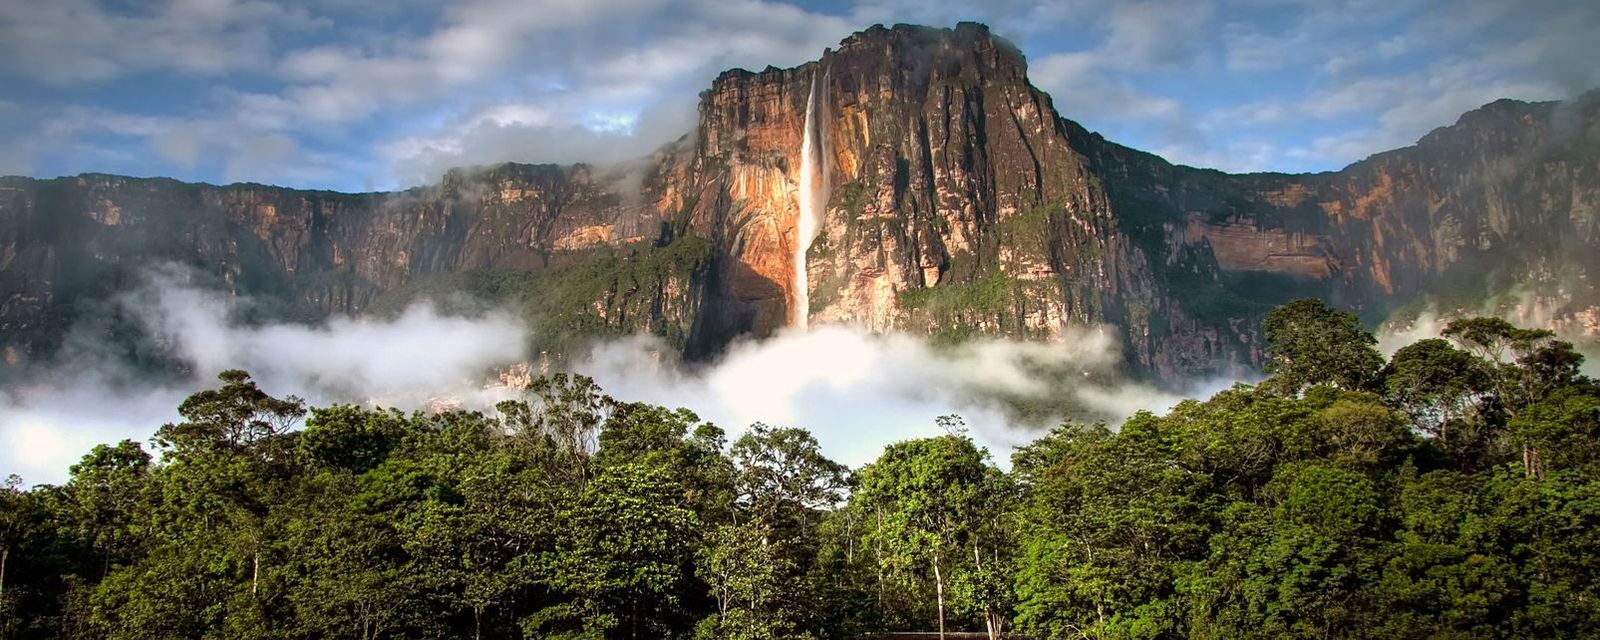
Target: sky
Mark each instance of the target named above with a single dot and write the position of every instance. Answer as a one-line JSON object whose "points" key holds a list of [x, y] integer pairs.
{"points": [[354, 95]]}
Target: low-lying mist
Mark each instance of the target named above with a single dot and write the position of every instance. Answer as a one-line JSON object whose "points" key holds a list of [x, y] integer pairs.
{"points": [[856, 390], [1521, 307]]}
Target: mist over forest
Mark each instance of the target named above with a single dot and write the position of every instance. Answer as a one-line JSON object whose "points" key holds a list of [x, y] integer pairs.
{"points": [[1450, 488], [858, 391]]}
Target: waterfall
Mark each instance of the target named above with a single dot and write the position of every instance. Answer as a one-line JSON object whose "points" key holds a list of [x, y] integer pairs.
{"points": [[813, 204]]}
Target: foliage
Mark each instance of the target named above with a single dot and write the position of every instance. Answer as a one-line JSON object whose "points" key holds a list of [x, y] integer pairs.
{"points": [[1452, 493], [1309, 343]]}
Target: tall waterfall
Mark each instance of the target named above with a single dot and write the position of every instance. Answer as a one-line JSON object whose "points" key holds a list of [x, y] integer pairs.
{"points": [[813, 204]]}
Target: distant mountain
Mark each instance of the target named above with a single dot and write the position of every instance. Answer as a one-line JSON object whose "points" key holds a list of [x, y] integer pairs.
{"points": [[952, 200]]}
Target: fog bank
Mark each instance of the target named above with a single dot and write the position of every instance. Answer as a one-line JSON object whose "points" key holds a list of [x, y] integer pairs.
{"points": [[856, 390]]}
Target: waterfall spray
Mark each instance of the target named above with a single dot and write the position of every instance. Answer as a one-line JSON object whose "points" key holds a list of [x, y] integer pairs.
{"points": [[813, 201]]}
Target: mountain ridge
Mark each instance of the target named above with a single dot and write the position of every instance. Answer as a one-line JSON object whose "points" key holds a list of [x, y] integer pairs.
{"points": [[963, 204]]}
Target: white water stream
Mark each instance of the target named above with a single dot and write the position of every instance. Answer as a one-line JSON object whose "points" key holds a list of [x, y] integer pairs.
{"points": [[813, 204]]}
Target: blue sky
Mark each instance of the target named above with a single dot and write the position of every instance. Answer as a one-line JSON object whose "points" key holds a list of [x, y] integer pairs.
{"points": [[355, 95]]}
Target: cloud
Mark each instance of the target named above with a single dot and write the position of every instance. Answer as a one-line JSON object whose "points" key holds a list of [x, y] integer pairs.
{"points": [[608, 51], [532, 133], [90, 395], [336, 94], [860, 391], [1082, 89], [856, 390], [593, 82], [44, 430], [371, 86], [1523, 307], [1408, 106], [402, 360], [65, 41], [1153, 35], [1566, 53], [242, 152], [1101, 87]]}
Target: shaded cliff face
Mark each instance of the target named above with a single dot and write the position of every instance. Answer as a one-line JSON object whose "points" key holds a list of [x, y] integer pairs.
{"points": [[957, 203], [69, 245], [1501, 206]]}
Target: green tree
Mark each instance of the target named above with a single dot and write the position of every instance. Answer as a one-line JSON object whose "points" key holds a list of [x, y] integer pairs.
{"points": [[679, 444], [1522, 366], [1564, 428], [621, 558], [783, 476], [1105, 522], [560, 414], [351, 438], [1436, 384], [930, 498], [757, 584], [107, 498], [1299, 567], [1309, 343], [235, 417]]}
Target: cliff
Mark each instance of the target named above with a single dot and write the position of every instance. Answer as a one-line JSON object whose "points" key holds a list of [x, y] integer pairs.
{"points": [[951, 199]]}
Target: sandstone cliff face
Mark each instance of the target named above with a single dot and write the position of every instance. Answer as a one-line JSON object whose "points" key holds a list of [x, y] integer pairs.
{"points": [[1504, 201], [959, 203], [67, 245]]}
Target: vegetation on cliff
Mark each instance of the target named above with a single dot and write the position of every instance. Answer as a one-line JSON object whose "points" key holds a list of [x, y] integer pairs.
{"points": [[1452, 491], [580, 296]]}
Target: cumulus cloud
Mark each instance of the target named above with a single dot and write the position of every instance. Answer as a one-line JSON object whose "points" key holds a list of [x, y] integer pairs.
{"points": [[225, 143], [403, 360], [608, 94], [1407, 107], [1367, 76]]}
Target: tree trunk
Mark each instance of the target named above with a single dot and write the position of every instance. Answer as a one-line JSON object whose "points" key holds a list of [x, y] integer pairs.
{"points": [[255, 571], [938, 587], [5, 554], [988, 607]]}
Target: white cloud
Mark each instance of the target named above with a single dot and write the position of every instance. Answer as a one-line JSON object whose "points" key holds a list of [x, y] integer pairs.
{"points": [[1082, 89], [402, 87], [1408, 106], [245, 152], [1238, 156], [860, 391], [65, 41], [1154, 35], [91, 397], [533, 133], [857, 391]]}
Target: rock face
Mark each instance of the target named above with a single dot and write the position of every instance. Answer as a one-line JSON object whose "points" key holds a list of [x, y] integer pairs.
{"points": [[959, 204]]}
